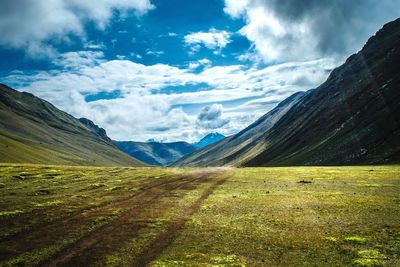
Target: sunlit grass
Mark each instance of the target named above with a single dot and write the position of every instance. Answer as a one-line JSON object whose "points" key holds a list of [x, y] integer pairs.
{"points": [[49, 203], [370, 257], [342, 216], [33, 195], [10, 213], [268, 217]]}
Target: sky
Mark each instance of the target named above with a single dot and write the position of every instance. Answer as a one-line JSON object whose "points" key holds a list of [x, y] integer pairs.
{"points": [[172, 70]]}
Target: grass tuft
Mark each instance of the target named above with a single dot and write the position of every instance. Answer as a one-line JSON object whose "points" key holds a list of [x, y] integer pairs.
{"points": [[356, 239], [229, 260], [10, 213], [97, 185], [370, 257], [331, 238], [49, 203]]}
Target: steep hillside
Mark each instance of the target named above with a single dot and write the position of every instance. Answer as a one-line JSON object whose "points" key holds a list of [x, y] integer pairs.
{"points": [[154, 153], [235, 149], [34, 131], [209, 139], [352, 118]]}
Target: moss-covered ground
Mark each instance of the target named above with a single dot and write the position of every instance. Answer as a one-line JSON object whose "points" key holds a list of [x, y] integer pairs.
{"points": [[106, 216]]}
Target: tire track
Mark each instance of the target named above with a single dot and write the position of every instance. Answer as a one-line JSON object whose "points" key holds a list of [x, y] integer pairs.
{"points": [[96, 244], [166, 238], [76, 213], [41, 237]]}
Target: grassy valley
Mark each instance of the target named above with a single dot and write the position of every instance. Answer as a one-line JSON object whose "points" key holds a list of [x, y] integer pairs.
{"points": [[113, 216], [313, 182]]}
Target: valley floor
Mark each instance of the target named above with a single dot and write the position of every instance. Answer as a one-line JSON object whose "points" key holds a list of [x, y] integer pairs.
{"points": [[104, 216]]}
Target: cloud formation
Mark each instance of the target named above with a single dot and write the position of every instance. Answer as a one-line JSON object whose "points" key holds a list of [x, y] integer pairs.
{"points": [[284, 30], [233, 95], [191, 92], [201, 62], [213, 39], [210, 117], [32, 24]]}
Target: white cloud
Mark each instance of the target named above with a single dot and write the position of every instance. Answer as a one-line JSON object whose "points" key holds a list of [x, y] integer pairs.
{"points": [[250, 56], [138, 56], [236, 8], [205, 61], [94, 46], [193, 65], [201, 62], [29, 24], [213, 39], [75, 60], [120, 57], [155, 53], [143, 111], [303, 30]]}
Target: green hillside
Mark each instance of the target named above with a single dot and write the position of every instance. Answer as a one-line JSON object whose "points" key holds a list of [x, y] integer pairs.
{"points": [[34, 131]]}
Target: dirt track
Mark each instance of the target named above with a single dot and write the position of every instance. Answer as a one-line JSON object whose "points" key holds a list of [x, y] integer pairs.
{"points": [[166, 238], [90, 249]]}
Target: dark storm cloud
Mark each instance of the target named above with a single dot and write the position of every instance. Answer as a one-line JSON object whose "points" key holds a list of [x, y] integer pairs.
{"points": [[337, 24], [210, 117], [332, 27]]}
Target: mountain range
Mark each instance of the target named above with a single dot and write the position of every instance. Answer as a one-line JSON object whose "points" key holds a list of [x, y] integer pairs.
{"points": [[155, 153], [34, 131], [163, 154], [353, 118]]}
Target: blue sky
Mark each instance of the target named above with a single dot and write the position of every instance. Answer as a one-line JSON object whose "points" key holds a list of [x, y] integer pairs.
{"points": [[156, 37], [177, 70]]}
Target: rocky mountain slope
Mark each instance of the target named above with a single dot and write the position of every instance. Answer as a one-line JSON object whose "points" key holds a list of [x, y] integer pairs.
{"points": [[34, 131], [352, 118], [154, 153]]}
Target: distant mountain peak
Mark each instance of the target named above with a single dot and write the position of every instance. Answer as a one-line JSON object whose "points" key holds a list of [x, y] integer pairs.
{"points": [[209, 139], [155, 153]]}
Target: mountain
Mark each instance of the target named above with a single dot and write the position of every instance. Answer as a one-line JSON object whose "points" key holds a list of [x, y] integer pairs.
{"points": [[164, 154], [237, 148], [34, 131], [154, 153], [209, 139], [352, 118]]}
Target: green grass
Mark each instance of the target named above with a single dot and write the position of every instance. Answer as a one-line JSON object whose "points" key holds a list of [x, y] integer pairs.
{"points": [[370, 257], [357, 239], [49, 203], [64, 189], [265, 217], [258, 217], [9, 213]]}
